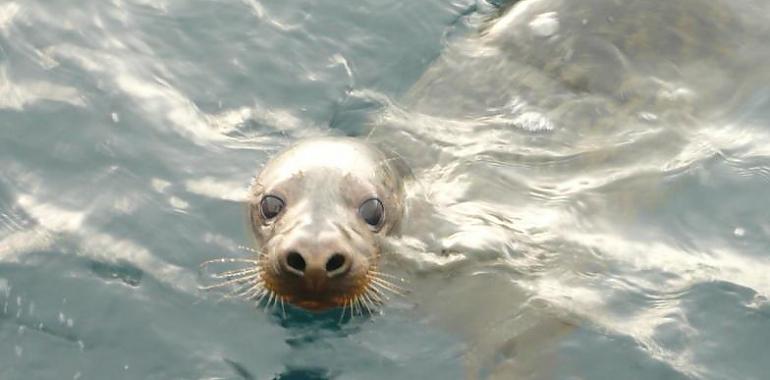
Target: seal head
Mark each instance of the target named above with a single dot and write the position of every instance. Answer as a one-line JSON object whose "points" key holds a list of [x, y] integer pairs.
{"points": [[319, 211]]}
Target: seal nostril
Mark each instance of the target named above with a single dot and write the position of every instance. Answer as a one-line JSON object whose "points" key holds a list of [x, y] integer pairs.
{"points": [[295, 261], [335, 262]]}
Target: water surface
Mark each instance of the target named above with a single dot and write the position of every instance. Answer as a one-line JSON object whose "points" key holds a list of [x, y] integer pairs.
{"points": [[582, 209]]}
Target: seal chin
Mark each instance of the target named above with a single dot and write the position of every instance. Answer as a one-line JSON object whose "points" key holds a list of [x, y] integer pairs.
{"points": [[318, 305]]}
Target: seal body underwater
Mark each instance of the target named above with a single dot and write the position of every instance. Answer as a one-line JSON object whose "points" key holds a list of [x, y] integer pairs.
{"points": [[319, 210]]}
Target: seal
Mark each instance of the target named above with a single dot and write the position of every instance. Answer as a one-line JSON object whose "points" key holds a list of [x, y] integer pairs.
{"points": [[588, 73], [319, 211]]}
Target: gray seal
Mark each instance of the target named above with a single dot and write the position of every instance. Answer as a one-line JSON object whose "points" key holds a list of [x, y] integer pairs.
{"points": [[319, 210]]}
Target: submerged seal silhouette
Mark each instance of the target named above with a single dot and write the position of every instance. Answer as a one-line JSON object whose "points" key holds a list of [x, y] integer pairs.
{"points": [[319, 210]]}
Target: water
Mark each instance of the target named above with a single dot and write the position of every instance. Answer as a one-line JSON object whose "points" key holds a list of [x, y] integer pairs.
{"points": [[587, 205]]}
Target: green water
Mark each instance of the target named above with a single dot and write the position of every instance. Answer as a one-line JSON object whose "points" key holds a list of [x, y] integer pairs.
{"points": [[131, 129]]}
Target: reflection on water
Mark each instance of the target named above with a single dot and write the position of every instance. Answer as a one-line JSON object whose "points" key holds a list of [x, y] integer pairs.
{"points": [[589, 197]]}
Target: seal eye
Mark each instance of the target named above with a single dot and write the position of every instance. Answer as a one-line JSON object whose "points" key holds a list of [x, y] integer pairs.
{"points": [[270, 206], [372, 211]]}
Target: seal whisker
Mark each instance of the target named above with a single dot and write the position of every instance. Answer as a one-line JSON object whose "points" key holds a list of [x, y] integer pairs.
{"points": [[372, 294], [349, 304], [365, 307], [362, 297], [258, 300], [239, 280], [378, 302], [387, 288], [239, 288], [249, 249], [374, 289], [379, 293], [385, 284], [342, 314], [283, 307], [386, 275], [359, 305], [226, 260], [269, 298], [237, 273], [367, 300], [380, 280], [257, 292], [373, 301], [367, 303], [251, 291]]}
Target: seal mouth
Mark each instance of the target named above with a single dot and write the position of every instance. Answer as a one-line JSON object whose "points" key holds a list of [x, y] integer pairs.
{"points": [[253, 282], [361, 294]]}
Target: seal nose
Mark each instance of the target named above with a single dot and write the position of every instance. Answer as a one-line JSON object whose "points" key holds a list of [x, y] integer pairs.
{"points": [[295, 261], [331, 264]]}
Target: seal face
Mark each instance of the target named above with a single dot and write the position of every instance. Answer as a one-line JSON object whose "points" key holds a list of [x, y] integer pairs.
{"points": [[319, 211]]}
